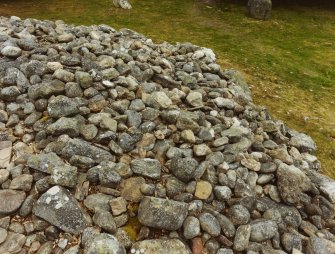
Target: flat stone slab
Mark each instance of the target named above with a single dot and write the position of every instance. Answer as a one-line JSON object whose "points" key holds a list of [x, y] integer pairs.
{"points": [[162, 213], [10, 201], [147, 167], [61, 209], [45, 162], [174, 246], [5, 153]]}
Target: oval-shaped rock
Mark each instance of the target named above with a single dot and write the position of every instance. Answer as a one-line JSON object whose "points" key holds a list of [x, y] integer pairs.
{"points": [[104, 243], [10, 51], [162, 213], [10, 201]]}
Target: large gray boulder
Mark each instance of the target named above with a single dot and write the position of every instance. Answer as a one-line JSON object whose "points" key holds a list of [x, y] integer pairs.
{"points": [[259, 9]]}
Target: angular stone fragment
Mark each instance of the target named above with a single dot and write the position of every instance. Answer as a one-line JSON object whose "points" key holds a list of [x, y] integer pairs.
{"points": [[63, 75], [13, 243], [162, 213], [194, 99], [61, 209], [130, 189], [104, 220], [45, 90], [146, 167], [98, 201], [155, 246], [80, 147], [45, 162], [242, 236], [5, 153], [3, 235], [64, 125], [303, 142], [62, 106], [166, 81], [11, 201], [317, 245], [22, 182], [65, 175], [328, 188], [291, 182], [160, 99]]}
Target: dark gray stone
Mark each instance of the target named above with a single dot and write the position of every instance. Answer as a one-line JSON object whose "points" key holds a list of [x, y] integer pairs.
{"points": [[146, 167], [259, 9]]}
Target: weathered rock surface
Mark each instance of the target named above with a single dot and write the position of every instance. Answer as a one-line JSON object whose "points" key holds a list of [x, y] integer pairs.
{"points": [[160, 246], [11, 201], [104, 243], [60, 208], [259, 9], [161, 213]]}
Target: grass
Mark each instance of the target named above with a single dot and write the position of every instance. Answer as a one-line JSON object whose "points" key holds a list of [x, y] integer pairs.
{"points": [[289, 61]]}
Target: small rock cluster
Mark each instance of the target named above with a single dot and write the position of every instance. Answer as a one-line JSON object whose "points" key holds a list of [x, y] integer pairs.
{"points": [[110, 143]]}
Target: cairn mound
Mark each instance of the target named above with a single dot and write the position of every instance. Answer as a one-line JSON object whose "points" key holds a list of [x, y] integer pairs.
{"points": [[111, 143]]}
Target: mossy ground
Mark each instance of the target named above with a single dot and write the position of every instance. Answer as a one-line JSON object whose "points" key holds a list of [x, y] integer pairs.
{"points": [[289, 61]]}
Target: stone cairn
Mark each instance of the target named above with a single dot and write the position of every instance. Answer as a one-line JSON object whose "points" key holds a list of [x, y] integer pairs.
{"points": [[110, 143]]}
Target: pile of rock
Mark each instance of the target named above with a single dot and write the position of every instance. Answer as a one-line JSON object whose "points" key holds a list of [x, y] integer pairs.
{"points": [[110, 142]]}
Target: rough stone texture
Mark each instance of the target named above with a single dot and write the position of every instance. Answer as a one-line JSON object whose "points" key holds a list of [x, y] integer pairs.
{"points": [[160, 246], [62, 106], [191, 227], [5, 153], [13, 243], [242, 236], [262, 230], [60, 208], [292, 182], [104, 243], [11, 201], [259, 9], [162, 213], [147, 168], [183, 168], [10, 51], [130, 189]]}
